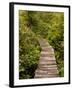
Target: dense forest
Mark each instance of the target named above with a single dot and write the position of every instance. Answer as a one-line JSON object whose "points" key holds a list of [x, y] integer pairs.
{"points": [[34, 25]]}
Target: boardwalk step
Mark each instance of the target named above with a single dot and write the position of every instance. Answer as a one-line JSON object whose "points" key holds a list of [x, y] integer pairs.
{"points": [[47, 66], [46, 76], [47, 55], [41, 72], [52, 75], [49, 69], [52, 62], [41, 76], [47, 58], [47, 52], [46, 72], [47, 49]]}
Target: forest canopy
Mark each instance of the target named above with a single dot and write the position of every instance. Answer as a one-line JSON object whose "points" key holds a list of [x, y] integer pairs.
{"points": [[34, 25]]}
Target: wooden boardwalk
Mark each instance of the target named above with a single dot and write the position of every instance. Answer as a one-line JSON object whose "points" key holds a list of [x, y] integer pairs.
{"points": [[47, 67]]}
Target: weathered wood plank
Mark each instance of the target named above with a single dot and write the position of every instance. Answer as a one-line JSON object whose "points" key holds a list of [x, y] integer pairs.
{"points": [[52, 62], [47, 58]]}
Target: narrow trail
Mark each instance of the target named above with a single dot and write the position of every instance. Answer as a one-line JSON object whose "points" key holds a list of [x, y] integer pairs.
{"points": [[47, 67]]}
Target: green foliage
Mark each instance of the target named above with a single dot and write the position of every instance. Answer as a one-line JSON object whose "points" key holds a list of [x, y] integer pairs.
{"points": [[29, 54], [61, 72], [34, 24], [56, 39], [29, 50]]}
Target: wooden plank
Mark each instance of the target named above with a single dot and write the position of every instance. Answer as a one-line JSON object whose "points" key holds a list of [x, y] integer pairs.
{"points": [[52, 62], [47, 52], [41, 72], [41, 76], [47, 66], [47, 55], [47, 58]]}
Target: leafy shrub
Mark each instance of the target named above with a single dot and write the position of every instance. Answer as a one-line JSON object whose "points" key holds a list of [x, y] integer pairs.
{"points": [[29, 52]]}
